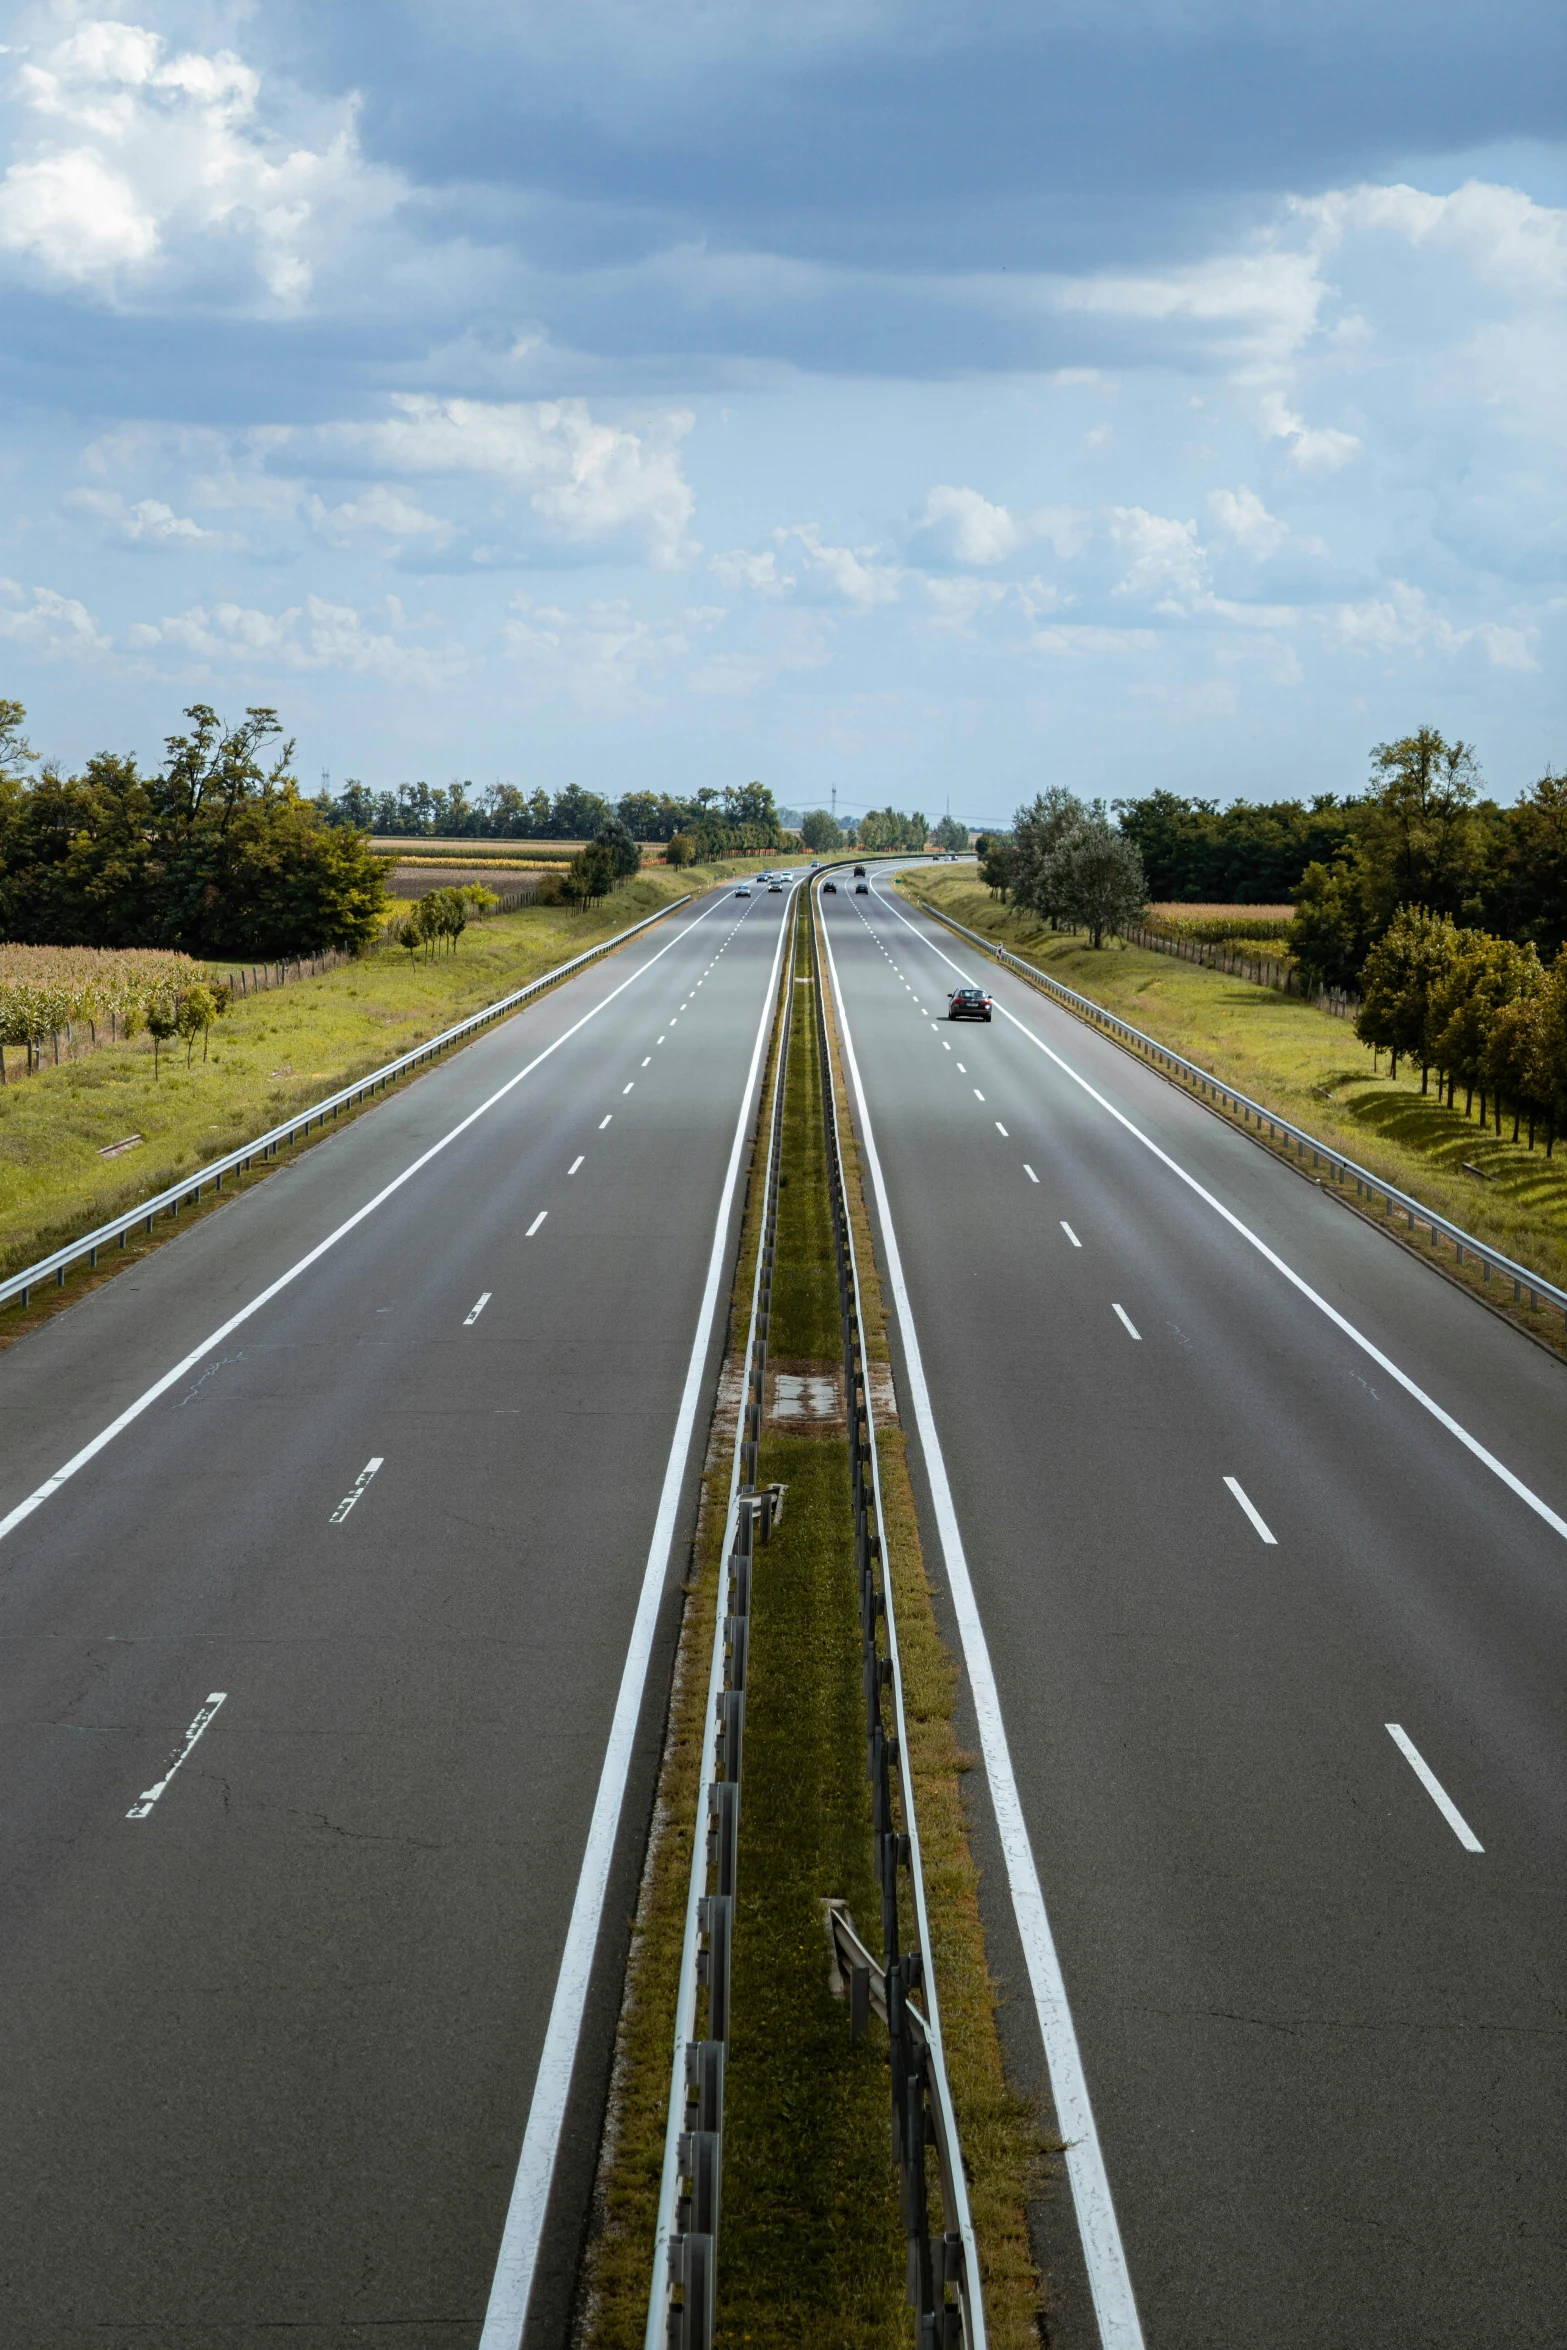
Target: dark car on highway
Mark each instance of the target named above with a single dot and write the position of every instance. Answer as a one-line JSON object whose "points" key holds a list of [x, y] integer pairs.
{"points": [[968, 1003], [862, 889], [858, 872], [829, 889]]}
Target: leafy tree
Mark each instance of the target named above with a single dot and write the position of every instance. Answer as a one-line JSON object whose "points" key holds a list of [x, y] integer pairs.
{"points": [[408, 933], [1484, 975], [1418, 841], [951, 833], [681, 850], [625, 855], [1412, 956], [1251, 853], [751, 803], [1095, 877], [1547, 1052], [1037, 832], [196, 1011], [997, 854], [577, 814], [1332, 932], [888, 828], [590, 875], [162, 1024], [16, 752], [819, 832], [1526, 896]]}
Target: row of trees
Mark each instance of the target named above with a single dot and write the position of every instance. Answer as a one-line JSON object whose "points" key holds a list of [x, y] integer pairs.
{"points": [[1066, 862], [744, 816], [1481, 1012], [1421, 834], [217, 854]]}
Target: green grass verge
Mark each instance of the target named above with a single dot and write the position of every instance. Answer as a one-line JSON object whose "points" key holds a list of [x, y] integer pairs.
{"points": [[1312, 1069], [269, 1058]]}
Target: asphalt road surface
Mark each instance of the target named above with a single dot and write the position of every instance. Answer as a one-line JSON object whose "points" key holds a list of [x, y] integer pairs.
{"points": [[1217, 1549], [271, 2020]]}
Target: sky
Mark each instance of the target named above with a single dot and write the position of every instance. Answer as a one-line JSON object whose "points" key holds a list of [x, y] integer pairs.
{"points": [[926, 402]]}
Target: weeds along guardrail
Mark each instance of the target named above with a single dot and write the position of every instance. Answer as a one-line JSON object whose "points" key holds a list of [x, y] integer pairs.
{"points": [[682, 2301], [943, 2271], [277, 1138], [1267, 1124]]}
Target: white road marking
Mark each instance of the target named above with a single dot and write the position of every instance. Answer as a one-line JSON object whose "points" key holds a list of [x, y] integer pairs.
{"points": [[1434, 1788], [139, 1811], [1251, 1509], [603, 1122], [483, 1300], [627, 1088], [1029, 1172], [360, 1483], [946, 1048], [962, 1072], [507, 2312], [978, 1096], [575, 1164], [537, 1221], [1000, 1129], [1444, 1419], [1071, 1235], [1127, 1323], [648, 1063], [660, 1041], [187, 1362], [1114, 2302]]}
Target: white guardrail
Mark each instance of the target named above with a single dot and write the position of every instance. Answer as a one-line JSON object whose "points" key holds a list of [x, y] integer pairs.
{"points": [[118, 1230], [1253, 1116]]}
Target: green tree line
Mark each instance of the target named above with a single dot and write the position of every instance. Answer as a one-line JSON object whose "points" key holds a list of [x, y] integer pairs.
{"points": [[216, 853], [741, 817]]}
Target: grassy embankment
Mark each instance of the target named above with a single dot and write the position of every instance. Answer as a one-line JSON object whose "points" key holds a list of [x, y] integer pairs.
{"points": [[270, 1057], [811, 2246], [1311, 1068]]}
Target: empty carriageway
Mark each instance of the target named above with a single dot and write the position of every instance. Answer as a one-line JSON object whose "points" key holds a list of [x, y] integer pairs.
{"points": [[333, 1613], [1266, 1532]]}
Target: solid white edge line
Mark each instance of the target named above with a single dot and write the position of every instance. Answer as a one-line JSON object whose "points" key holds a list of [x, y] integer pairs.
{"points": [[1434, 1788], [1251, 1509], [1115, 2305], [1130, 1326], [150, 1395], [1297, 1281], [517, 2259]]}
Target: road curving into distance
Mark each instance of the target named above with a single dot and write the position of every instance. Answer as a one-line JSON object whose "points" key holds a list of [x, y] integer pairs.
{"points": [[1262, 1533], [332, 1684]]}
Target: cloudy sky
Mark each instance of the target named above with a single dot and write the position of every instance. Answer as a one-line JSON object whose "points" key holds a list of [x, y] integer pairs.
{"points": [[932, 400]]}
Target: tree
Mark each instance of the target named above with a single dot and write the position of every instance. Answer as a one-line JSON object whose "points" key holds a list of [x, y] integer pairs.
{"points": [[681, 850], [997, 862], [888, 828], [16, 752], [1037, 833], [1418, 841], [162, 1024], [577, 814], [819, 832], [1094, 877], [1481, 977], [1547, 1052], [1412, 956], [1331, 933], [1527, 894], [625, 855], [751, 803], [590, 875], [196, 1011], [952, 834]]}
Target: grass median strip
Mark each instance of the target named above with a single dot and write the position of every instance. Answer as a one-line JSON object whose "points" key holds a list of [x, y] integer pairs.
{"points": [[811, 2246], [1306, 1065]]}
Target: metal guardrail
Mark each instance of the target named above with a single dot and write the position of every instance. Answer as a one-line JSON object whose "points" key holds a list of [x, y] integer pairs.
{"points": [[1253, 1116], [943, 2274], [265, 1146], [681, 2303]]}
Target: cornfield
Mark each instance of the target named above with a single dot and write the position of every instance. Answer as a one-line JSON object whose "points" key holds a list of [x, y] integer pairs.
{"points": [[45, 992]]}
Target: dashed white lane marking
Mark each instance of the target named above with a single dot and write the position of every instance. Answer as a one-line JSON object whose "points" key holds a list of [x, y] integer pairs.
{"points": [[139, 1811], [1132, 1331], [1071, 1235], [483, 1300], [648, 1062], [537, 1221], [1250, 1507], [1029, 1172], [627, 1088], [946, 1048], [360, 1482], [1433, 1787], [603, 1122], [660, 1041], [575, 1164], [978, 1096], [1000, 1129], [962, 1071]]}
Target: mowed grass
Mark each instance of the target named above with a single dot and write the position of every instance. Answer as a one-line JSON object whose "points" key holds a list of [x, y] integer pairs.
{"points": [[1308, 1066], [269, 1058]]}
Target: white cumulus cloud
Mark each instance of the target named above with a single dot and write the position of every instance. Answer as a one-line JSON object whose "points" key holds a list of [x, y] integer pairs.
{"points": [[46, 622], [148, 522]]}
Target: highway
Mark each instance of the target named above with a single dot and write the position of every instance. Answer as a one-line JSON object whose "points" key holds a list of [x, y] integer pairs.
{"points": [[1216, 1485], [331, 1684]]}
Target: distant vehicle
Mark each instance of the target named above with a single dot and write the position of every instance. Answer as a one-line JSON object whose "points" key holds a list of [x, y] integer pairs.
{"points": [[829, 889], [862, 889], [968, 1003], [858, 871], [775, 889], [744, 890], [815, 862]]}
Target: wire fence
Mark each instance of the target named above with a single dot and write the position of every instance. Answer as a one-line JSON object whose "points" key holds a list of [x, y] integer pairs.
{"points": [[1291, 1140], [188, 1191], [943, 2268], [1278, 972]]}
